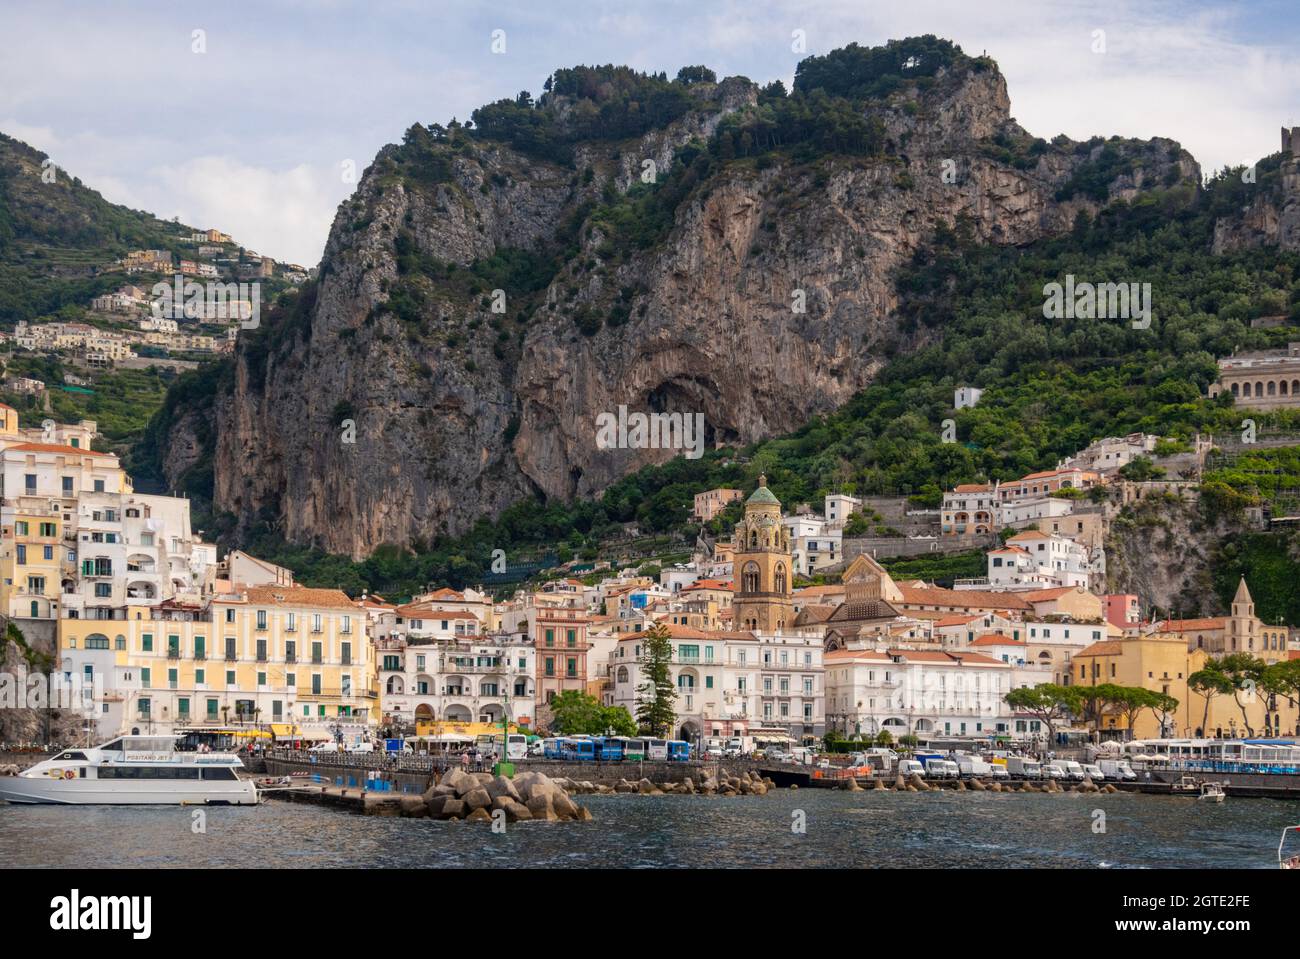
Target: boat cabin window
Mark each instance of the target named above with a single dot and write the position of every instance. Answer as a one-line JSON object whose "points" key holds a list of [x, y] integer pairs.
{"points": [[66, 757], [210, 772], [148, 772], [115, 746]]}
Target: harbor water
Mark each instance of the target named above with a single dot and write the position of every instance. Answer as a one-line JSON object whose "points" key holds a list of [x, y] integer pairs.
{"points": [[786, 828]]}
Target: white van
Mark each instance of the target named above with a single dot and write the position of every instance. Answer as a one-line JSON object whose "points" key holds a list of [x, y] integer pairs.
{"points": [[1093, 772], [1117, 769], [906, 767], [802, 754], [1068, 769], [941, 769]]}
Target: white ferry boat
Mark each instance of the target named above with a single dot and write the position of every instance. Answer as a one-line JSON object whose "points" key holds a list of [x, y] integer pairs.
{"points": [[133, 770]]}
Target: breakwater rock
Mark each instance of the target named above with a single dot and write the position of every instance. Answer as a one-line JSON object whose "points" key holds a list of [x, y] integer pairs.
{"points": [[475, 797]]}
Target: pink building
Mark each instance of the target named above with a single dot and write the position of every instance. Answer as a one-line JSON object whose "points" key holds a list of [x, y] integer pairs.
{"points": [[1122, 610]]}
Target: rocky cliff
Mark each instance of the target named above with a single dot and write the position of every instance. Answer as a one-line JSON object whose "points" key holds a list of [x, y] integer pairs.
{"points": [[480, 302]]}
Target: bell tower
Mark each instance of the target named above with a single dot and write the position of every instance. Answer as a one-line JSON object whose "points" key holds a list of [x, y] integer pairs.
{"points": [[762, 567]]}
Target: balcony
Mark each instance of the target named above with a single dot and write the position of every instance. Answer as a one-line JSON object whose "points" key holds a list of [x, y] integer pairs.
{"points": [[173, 653]]}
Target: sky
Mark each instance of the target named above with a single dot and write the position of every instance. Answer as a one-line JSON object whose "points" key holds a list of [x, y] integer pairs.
{"points": [[252, 125]]}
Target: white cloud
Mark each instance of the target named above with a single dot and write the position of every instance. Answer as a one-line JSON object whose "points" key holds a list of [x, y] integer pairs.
{"points": [[248, 136]]}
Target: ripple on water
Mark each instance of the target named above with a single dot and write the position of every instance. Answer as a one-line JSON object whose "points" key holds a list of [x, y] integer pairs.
{"points": [[869, 830]]}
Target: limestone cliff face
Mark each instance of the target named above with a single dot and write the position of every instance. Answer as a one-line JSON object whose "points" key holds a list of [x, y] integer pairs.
{"points": [[459, 411], [1270, 218]]}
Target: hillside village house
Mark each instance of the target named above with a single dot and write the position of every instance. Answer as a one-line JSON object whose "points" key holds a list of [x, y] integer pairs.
{"points": [[712, 502]]}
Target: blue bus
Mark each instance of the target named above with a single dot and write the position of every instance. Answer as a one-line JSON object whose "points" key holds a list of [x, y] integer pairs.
{"points": [[609, 748], [678, 751], [579, 750]]}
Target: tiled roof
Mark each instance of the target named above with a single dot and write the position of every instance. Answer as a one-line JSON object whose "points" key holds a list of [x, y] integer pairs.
{"points": [[298, 596]]}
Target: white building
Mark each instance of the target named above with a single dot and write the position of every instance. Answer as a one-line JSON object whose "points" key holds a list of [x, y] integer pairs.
{"points": [[468, 678], [729, 683], [965, 397], [922, 693]]}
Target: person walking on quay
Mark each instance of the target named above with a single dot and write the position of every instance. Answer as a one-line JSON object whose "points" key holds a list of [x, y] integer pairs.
{"points": [[464, 760]]}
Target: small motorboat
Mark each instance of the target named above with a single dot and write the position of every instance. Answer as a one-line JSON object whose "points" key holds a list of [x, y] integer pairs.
{"points": [[1212, 791], [1288, 859], [1188, 785]]}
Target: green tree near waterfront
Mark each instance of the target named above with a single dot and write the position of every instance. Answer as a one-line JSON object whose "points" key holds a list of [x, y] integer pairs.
{"points": [[656, 697], [575, 713], [1209, 681], [1048, 702]]}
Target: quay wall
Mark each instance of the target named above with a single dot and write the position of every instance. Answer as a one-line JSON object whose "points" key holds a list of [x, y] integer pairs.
{"points": [[414, 774]]}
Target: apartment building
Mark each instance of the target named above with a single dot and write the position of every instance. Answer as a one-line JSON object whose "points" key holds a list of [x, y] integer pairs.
{"points": [[297, 659], [731, 683]]}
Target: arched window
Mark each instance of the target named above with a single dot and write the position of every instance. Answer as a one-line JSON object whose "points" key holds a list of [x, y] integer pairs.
{"points": [[753, 539], [1281, 387], [1272, 388], [1236, 390], [622, 674], [749, 578], [780, 577]]}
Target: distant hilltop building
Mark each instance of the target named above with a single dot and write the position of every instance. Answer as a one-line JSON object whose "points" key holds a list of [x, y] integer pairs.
{"points": [[966, 397], [1261, 379], [1291, 141]]}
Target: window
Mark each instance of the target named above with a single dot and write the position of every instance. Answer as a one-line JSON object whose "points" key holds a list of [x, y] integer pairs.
{"points": [[571, 637], [317, 656], [315, 623], [291, 622], [146, 642], [346, 652], [230, 649], [261, 619], [199, 677], [67, 485], [21, 554]]}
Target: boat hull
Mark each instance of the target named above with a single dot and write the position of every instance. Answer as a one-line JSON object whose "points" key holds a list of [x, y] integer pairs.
{"points": [[91, 792]]}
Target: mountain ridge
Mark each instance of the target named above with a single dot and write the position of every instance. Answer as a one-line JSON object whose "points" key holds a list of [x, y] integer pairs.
{"points": [[667, 296]]}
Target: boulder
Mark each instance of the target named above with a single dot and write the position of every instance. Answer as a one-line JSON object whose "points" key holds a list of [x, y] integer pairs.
{"points": [[853, 786], [688, 784], [479, 815], [435, 803], [564, 807], [503, 787], [541, 808], [880, 784], [456, 780], [414, 807], [517, 812], [920, 784], [623, 786], [977, 785], [995, 787], [452, 808], [645, 787], [477, 798], [961, 786], [483, 778], [584, 814]]}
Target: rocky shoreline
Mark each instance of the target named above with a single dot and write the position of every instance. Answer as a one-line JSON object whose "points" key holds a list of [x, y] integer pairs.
{"points": [[534, 796]]}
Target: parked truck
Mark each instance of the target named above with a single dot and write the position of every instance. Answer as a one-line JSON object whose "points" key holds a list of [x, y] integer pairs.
{"points": [[1021, 768], [973, 766], [1116, 769]]}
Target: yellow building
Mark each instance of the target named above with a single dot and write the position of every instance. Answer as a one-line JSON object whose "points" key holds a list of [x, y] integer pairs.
{"points": [[1163, 663], [763, 580], [293, 657], [32, 561]]}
